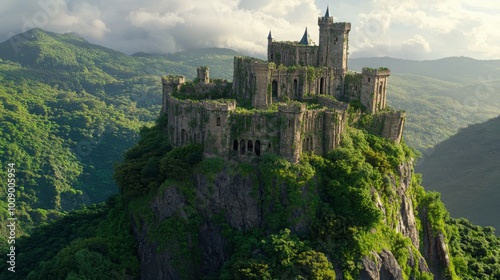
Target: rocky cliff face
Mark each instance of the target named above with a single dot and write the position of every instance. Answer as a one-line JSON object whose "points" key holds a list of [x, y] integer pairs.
{"points": [[237, 200]]}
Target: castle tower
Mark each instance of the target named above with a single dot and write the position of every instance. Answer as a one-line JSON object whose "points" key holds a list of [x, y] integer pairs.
{"points": [[290, 142], [269, 42], [333, 40], [373, 88], [170, 84], [203, 74]]}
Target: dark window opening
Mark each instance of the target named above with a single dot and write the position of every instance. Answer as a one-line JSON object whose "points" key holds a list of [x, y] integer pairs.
{"points": [[275, 89], [250, 146], [235, 145], [356, 88], [272, 56], [368, 79], [380, 89], [295, 87], [218, 121], [321, 85], [269, 146], [242, 147], [289, 123], [184, 137], [257, 147]]}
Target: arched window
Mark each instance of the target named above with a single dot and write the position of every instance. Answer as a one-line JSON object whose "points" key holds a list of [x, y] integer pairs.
{"points": [[242, 147], [275, 88], [235, 145], [250, 146], [257, 147]]}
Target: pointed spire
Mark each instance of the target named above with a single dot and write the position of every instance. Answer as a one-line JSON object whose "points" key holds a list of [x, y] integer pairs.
{"points": [[269, 36], [327, 14], [305, 39]]}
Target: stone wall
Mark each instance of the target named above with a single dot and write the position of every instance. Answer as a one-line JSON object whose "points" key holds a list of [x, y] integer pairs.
{"points": [[292, 53], [253, 133]]}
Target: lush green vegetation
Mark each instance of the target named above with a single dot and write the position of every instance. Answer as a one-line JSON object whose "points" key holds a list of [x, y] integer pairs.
{"points": [[475, 250], [95, 242], [69, 110], [63, 144], [334, 193]]}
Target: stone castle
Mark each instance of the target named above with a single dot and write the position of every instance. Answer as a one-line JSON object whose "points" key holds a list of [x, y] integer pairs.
{"points": [[297, 101]]}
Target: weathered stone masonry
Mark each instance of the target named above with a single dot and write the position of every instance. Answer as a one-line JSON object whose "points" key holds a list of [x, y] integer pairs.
{"points": [[295, 102]]}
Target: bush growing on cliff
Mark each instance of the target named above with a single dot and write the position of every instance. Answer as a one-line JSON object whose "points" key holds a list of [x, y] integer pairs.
{"points": [[278, 256]]}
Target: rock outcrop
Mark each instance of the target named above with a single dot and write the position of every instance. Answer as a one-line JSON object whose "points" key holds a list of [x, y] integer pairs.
{"points": [[381, 265], [237, 199]]}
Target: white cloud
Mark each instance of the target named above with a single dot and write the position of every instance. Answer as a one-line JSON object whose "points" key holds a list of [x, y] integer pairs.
{"points": [[424, 28], [144, 18]]}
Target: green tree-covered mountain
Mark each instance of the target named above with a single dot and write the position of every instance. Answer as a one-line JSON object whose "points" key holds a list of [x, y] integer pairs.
{"points": [[464, 169], [68, 111]]}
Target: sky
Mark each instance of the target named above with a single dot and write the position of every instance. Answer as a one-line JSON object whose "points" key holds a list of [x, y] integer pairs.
{"points": [[408, 29]]}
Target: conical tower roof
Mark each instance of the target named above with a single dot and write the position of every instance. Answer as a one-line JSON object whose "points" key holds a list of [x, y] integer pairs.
{"points": [[305, 39]]}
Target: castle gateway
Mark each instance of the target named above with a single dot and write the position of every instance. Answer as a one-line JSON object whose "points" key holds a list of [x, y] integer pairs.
{"points": [[294, 102]]}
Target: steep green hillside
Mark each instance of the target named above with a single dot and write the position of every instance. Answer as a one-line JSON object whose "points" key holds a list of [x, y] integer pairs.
{"points": [[465, 169], [68, 111], [62, 143]]}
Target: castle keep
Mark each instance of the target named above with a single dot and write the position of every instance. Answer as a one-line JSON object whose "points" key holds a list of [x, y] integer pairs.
{"points": [[294, 102]]}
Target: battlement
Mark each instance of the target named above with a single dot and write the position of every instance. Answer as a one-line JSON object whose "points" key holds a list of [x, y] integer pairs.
{"points": [[346, 26], [173, 80], [376, 71], [325, 20]]}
